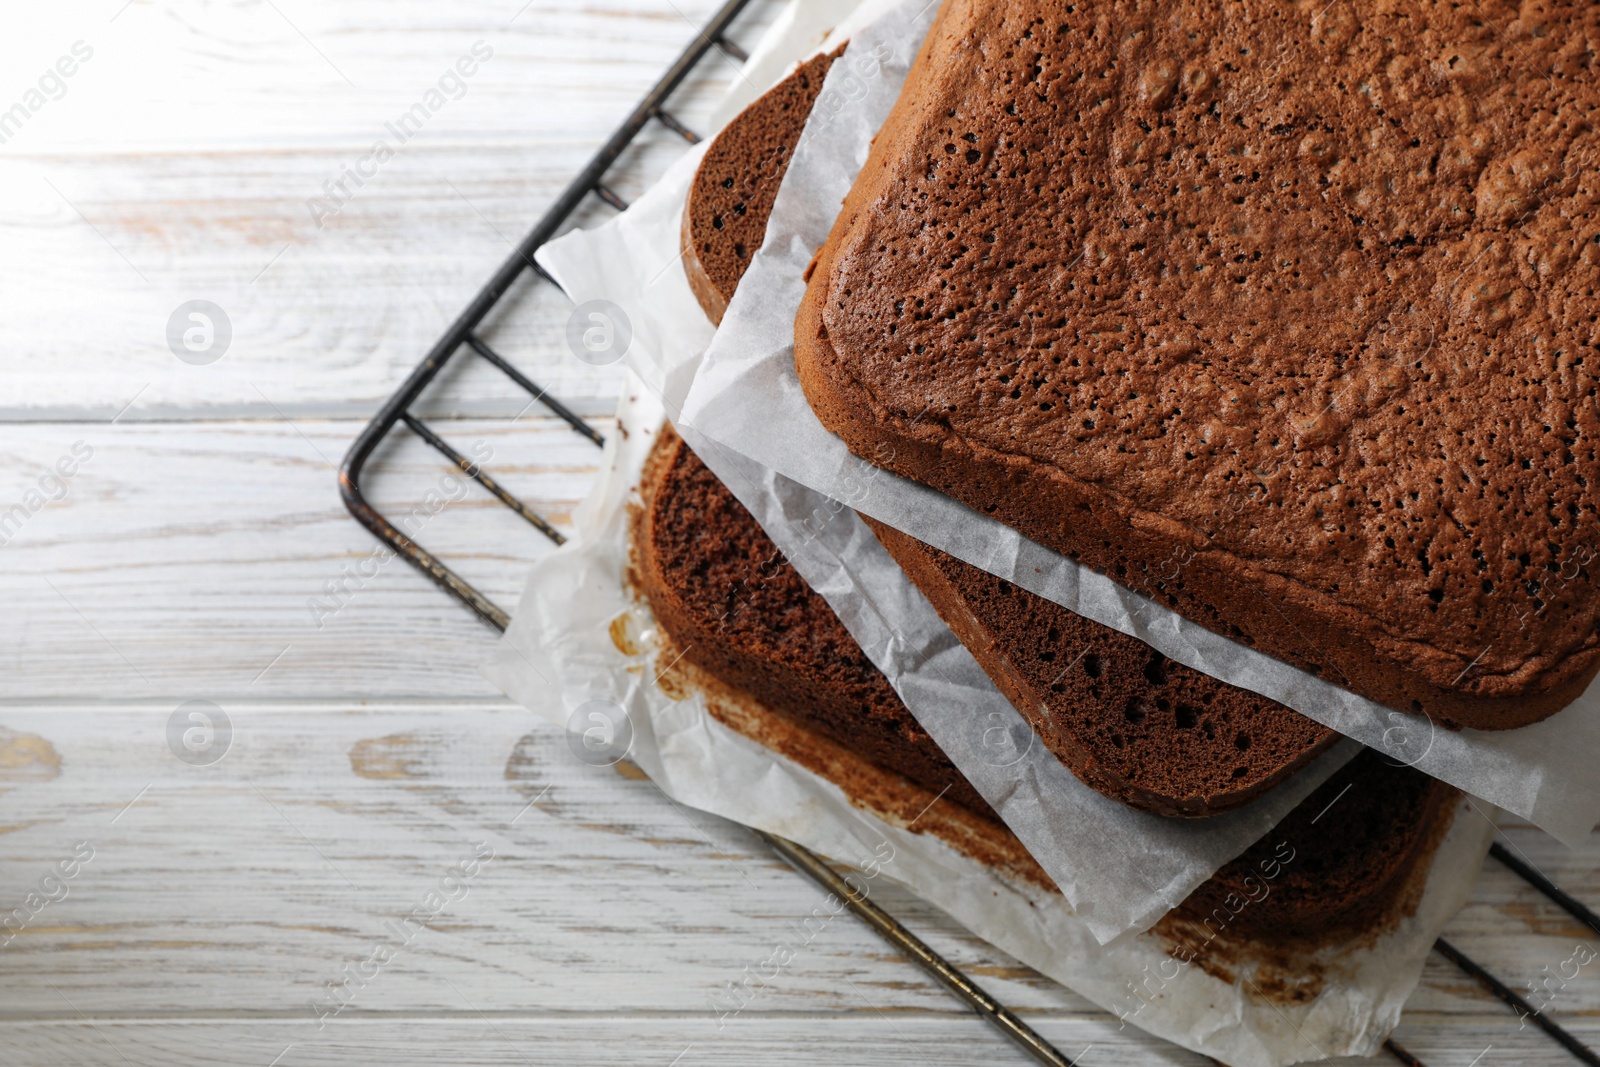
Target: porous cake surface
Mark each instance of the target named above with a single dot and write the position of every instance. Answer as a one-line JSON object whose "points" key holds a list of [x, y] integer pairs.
{"points": [[725, 218], [719, 586], [1333, 866], [1125, 719], [1283, 313], [1336, 862], [1154, 735]]}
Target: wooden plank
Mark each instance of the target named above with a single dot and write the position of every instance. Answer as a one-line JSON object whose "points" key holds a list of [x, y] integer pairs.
{"points": [[865, 1039], [251, 883], [606, 1039], [179, 543], [857, 1039], [240, 890], [184, 159], [184, 559]]}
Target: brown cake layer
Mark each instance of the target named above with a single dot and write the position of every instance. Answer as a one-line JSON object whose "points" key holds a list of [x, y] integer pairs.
{"points": [[724, 593], [1157, 736], [1335, 865], [1125, 719], [725, 219], [886, 795], [1335, 862], [1281, 313]]}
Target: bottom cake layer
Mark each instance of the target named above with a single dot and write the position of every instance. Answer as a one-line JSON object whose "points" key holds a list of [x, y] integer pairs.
{"points": [[735, 607], [779, 666]]}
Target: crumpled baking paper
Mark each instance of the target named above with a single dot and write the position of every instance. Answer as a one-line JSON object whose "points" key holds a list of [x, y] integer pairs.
{"points": [[745, 395], [1120, 869], [560, 656], [802, 29]]}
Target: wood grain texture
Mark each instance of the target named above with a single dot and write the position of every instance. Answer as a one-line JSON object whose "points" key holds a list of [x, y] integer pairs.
{"points": [[238, 891], [348, 818], [185, 557], [180, 162], [861, 1040], [858, 1040]]}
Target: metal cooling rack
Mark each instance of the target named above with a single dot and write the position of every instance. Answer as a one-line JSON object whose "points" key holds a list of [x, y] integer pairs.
{"points": [[463, 336]]}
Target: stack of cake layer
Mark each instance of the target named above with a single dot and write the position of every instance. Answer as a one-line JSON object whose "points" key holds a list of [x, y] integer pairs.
{"points": [[1146, 731]]}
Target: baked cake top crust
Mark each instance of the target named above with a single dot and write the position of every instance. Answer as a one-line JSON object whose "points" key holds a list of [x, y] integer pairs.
{"points": [[1309, 288], [1155, 735]]}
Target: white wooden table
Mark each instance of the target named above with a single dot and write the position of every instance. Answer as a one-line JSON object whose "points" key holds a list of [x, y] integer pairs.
{"points": [[367, 757]]}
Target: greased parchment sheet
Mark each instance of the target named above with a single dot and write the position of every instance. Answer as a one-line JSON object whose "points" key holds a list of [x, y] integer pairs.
{"points": [[744, 394], [1121, 869], [560, 653]]}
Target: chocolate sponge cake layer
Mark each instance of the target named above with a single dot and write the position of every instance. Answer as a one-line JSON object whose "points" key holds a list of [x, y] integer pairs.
{"points": [[1281, 313], [1124, 719], [724, 593], [725, 219], [1155, 735], [1336, 862]]}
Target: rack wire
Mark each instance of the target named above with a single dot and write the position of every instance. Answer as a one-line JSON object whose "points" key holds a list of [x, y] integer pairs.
{"points": [[463, 337]]}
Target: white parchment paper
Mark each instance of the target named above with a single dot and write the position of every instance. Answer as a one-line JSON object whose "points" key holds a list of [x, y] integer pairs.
{"points": [[559, 655], [1120, 869], [745, 395], [801, 30]]}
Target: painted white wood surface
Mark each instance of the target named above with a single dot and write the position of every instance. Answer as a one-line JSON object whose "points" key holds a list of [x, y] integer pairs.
{"points": [[368, 756], [234, 892], [215, 537], [179, 163]]}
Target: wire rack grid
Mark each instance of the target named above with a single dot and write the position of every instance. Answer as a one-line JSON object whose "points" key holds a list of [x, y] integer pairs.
{"points": [[463, 338]]}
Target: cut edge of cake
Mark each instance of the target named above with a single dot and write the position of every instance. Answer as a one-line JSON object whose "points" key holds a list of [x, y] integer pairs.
{"points": [[708, 623], [775, 119], [725, 221], [926, 567], [1249, 913]]}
